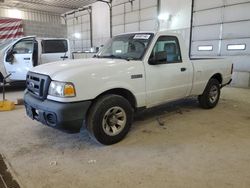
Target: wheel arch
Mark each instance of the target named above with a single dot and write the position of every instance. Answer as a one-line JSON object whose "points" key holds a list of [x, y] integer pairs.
{"points": [[122, 92], [218, 76]]}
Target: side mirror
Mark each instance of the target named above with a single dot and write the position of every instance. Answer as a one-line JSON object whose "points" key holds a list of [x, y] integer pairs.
{"points": [[10, 56], [158, 58], [153, 61]]}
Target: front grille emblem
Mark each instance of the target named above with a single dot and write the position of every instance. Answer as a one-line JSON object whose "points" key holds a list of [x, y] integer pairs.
{"points": [[31, 84]]}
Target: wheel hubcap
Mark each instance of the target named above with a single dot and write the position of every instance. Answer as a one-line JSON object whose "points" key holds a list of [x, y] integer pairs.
{"points": [[114, 121], [213, 94]]}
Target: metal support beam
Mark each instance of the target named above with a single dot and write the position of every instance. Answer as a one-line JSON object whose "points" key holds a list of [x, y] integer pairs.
{"points": [[158, 13], [191, 29], [91, 26]]}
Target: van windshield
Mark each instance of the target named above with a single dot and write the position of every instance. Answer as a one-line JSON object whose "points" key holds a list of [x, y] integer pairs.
{"points": [[127, 46]]}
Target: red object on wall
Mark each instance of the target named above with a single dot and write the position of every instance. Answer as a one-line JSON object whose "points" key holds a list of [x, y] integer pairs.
{"points": [[10, 28]]}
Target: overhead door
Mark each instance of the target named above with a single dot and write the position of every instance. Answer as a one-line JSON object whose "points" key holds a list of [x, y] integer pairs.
{"points": [[222, 28], [137, 15], [78, 26]]}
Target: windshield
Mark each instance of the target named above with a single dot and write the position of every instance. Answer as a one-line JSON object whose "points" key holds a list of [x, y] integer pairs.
{"points": [[5, 44], [127, 46]]}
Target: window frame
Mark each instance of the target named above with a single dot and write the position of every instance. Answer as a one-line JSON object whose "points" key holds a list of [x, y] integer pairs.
{"points": [[64, 40], [178, 47], [22, 40]]}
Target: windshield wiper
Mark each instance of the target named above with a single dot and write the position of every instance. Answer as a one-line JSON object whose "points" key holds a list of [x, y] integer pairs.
{"points": [[114, 57]]}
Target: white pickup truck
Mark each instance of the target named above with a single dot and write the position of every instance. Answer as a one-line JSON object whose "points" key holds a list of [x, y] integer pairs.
{"points": [[132, 71], [18, 56]]}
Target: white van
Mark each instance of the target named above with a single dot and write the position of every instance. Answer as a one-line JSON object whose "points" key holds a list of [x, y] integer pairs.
{"points": [[18, 56]]}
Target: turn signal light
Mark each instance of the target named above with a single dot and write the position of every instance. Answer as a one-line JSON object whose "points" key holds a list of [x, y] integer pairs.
{"points": [[69, 90]]}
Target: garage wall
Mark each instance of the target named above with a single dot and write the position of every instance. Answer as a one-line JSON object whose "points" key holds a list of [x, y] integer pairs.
{"points": [[175, 16], [222, 28], [37, 23], [78, 30], [78, 27], [140, 15]]}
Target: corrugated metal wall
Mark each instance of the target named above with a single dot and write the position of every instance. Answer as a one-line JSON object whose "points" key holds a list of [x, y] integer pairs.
{"points": [[41, 24], [37, 16]]}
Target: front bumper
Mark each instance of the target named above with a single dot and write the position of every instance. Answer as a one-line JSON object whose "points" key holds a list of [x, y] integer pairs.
{"points": [[64, 116]]}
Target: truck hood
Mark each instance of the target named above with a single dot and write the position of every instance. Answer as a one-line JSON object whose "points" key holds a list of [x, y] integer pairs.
{"points": [[62, 70]]}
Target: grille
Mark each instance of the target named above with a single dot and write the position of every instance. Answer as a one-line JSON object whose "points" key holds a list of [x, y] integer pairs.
{"points": [[38, 84]]}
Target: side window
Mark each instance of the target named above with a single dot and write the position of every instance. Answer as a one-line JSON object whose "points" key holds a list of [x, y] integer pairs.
{"points": [[54, 46], [24, 46], [166, 50]]}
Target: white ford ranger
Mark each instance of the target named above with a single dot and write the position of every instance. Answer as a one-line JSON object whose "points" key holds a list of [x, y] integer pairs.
{"points": [[132, 71]]}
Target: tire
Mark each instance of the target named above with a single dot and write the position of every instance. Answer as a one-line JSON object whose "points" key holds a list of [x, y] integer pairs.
{"points": [[110, 119], [211, 95]]}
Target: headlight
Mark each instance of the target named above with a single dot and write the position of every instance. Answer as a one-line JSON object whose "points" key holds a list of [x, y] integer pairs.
{"points": [[62, 89]]}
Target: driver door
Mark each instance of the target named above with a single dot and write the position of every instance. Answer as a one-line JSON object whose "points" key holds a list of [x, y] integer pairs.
{"points": [[168, 76], [19, 59]]}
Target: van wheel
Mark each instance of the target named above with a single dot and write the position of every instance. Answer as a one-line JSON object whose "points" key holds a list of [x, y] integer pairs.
{"points": [[211, 95], [110, 119]]}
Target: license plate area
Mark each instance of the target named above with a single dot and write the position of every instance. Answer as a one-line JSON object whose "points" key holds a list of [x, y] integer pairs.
{"points": [[33, 113]]}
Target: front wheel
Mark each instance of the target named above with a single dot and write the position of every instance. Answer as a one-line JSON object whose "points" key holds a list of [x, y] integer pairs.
{"points": [[211, 95], [110, 119]]}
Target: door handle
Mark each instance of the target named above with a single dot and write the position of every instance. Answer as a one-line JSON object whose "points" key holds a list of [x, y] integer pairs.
{"points": [[64, 57], [26, 58], [183, 69]]}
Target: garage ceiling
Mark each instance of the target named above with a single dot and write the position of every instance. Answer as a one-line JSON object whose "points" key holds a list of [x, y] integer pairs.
{"points": [[55, 6]]}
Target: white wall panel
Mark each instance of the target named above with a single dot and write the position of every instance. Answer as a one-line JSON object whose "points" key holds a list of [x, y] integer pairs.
{"points": [[208, 17], [132, 7], [148, 4], [117, 10], [117, 2], [118, 19], [203, 4], [150, 25], [231, 2], [237, 12], [132, 17], [149, 13], [206, 32], [118, 29], [236, 30], [132, 27], [225, 43]]}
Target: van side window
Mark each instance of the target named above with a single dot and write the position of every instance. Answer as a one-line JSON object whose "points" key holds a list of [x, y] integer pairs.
{"points": [[54, 46], [24, 46], [167, 50]]}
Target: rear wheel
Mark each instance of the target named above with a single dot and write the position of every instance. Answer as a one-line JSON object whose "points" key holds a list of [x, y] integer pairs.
{"points": [[211, 95], [110, 119]]}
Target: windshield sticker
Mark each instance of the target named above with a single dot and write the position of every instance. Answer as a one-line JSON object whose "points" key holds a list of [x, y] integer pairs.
{"points": [[142, 37]]}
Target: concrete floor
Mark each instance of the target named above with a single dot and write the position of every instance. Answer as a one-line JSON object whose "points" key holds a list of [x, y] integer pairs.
{"points": [[194, 148]]}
